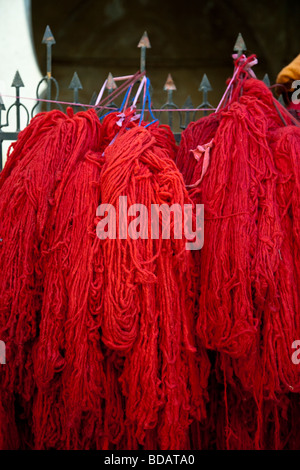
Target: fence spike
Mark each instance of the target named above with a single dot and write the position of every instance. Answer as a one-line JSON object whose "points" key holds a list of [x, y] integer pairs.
{"points": [[48, 37], [205, 87], [240, 45], [144, 44], [17, 84], [75, 83], [266, 80], [93, 98], [169, 85], [2, 105], [111, 84], [17, 81], [144, 41], [205, 84], [2, 108], [188, 104]]}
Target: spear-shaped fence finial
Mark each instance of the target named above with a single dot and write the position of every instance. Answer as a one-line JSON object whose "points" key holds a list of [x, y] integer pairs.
{"points": [[17, 83], [205, 87], [266, 80], [75, 85], [143, 45], [240, 45]]}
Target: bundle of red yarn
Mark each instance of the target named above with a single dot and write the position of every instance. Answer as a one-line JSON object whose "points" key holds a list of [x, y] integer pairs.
{"points": [[241, 163], [134, 342]]}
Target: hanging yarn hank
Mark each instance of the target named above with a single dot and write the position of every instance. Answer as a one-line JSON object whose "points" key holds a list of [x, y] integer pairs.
{"points": [[148, 301]]}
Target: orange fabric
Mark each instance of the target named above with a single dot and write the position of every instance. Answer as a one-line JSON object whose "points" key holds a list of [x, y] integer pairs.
{"points": [[289, 73]]}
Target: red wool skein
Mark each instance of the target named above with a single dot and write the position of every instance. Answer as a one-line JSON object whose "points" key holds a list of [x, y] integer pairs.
{"points": [[68, 360], [275, 286], [148, 304], [45, 151], [248, 305]]}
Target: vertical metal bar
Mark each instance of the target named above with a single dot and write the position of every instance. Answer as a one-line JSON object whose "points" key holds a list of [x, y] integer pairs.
{"points": [[1, 161], [205, 87], [110, 86], [188, 104], [143, 59], [170, 114], [49, 73], [205, 100], [49, 40], [266, 80], [18, 128], [2, 108], [169, 87], [75, 85], [17, 84]]}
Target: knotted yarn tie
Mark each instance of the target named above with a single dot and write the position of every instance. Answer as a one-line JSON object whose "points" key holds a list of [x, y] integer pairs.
{"points": [[241, 64], [198, 152], [246, 63]]}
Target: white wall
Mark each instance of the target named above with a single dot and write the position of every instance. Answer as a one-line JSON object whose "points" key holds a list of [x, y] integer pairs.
{"points": [[17, 53]]}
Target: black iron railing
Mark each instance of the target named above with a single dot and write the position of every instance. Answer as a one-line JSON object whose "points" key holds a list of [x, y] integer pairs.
{"points": [[187, 113]]}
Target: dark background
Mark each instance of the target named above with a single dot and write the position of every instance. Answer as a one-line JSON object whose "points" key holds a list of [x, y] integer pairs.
{"points": [[188, 38]]}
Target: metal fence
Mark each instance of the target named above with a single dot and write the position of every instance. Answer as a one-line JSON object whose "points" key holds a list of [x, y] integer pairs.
{"points": [[185, 114]]}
